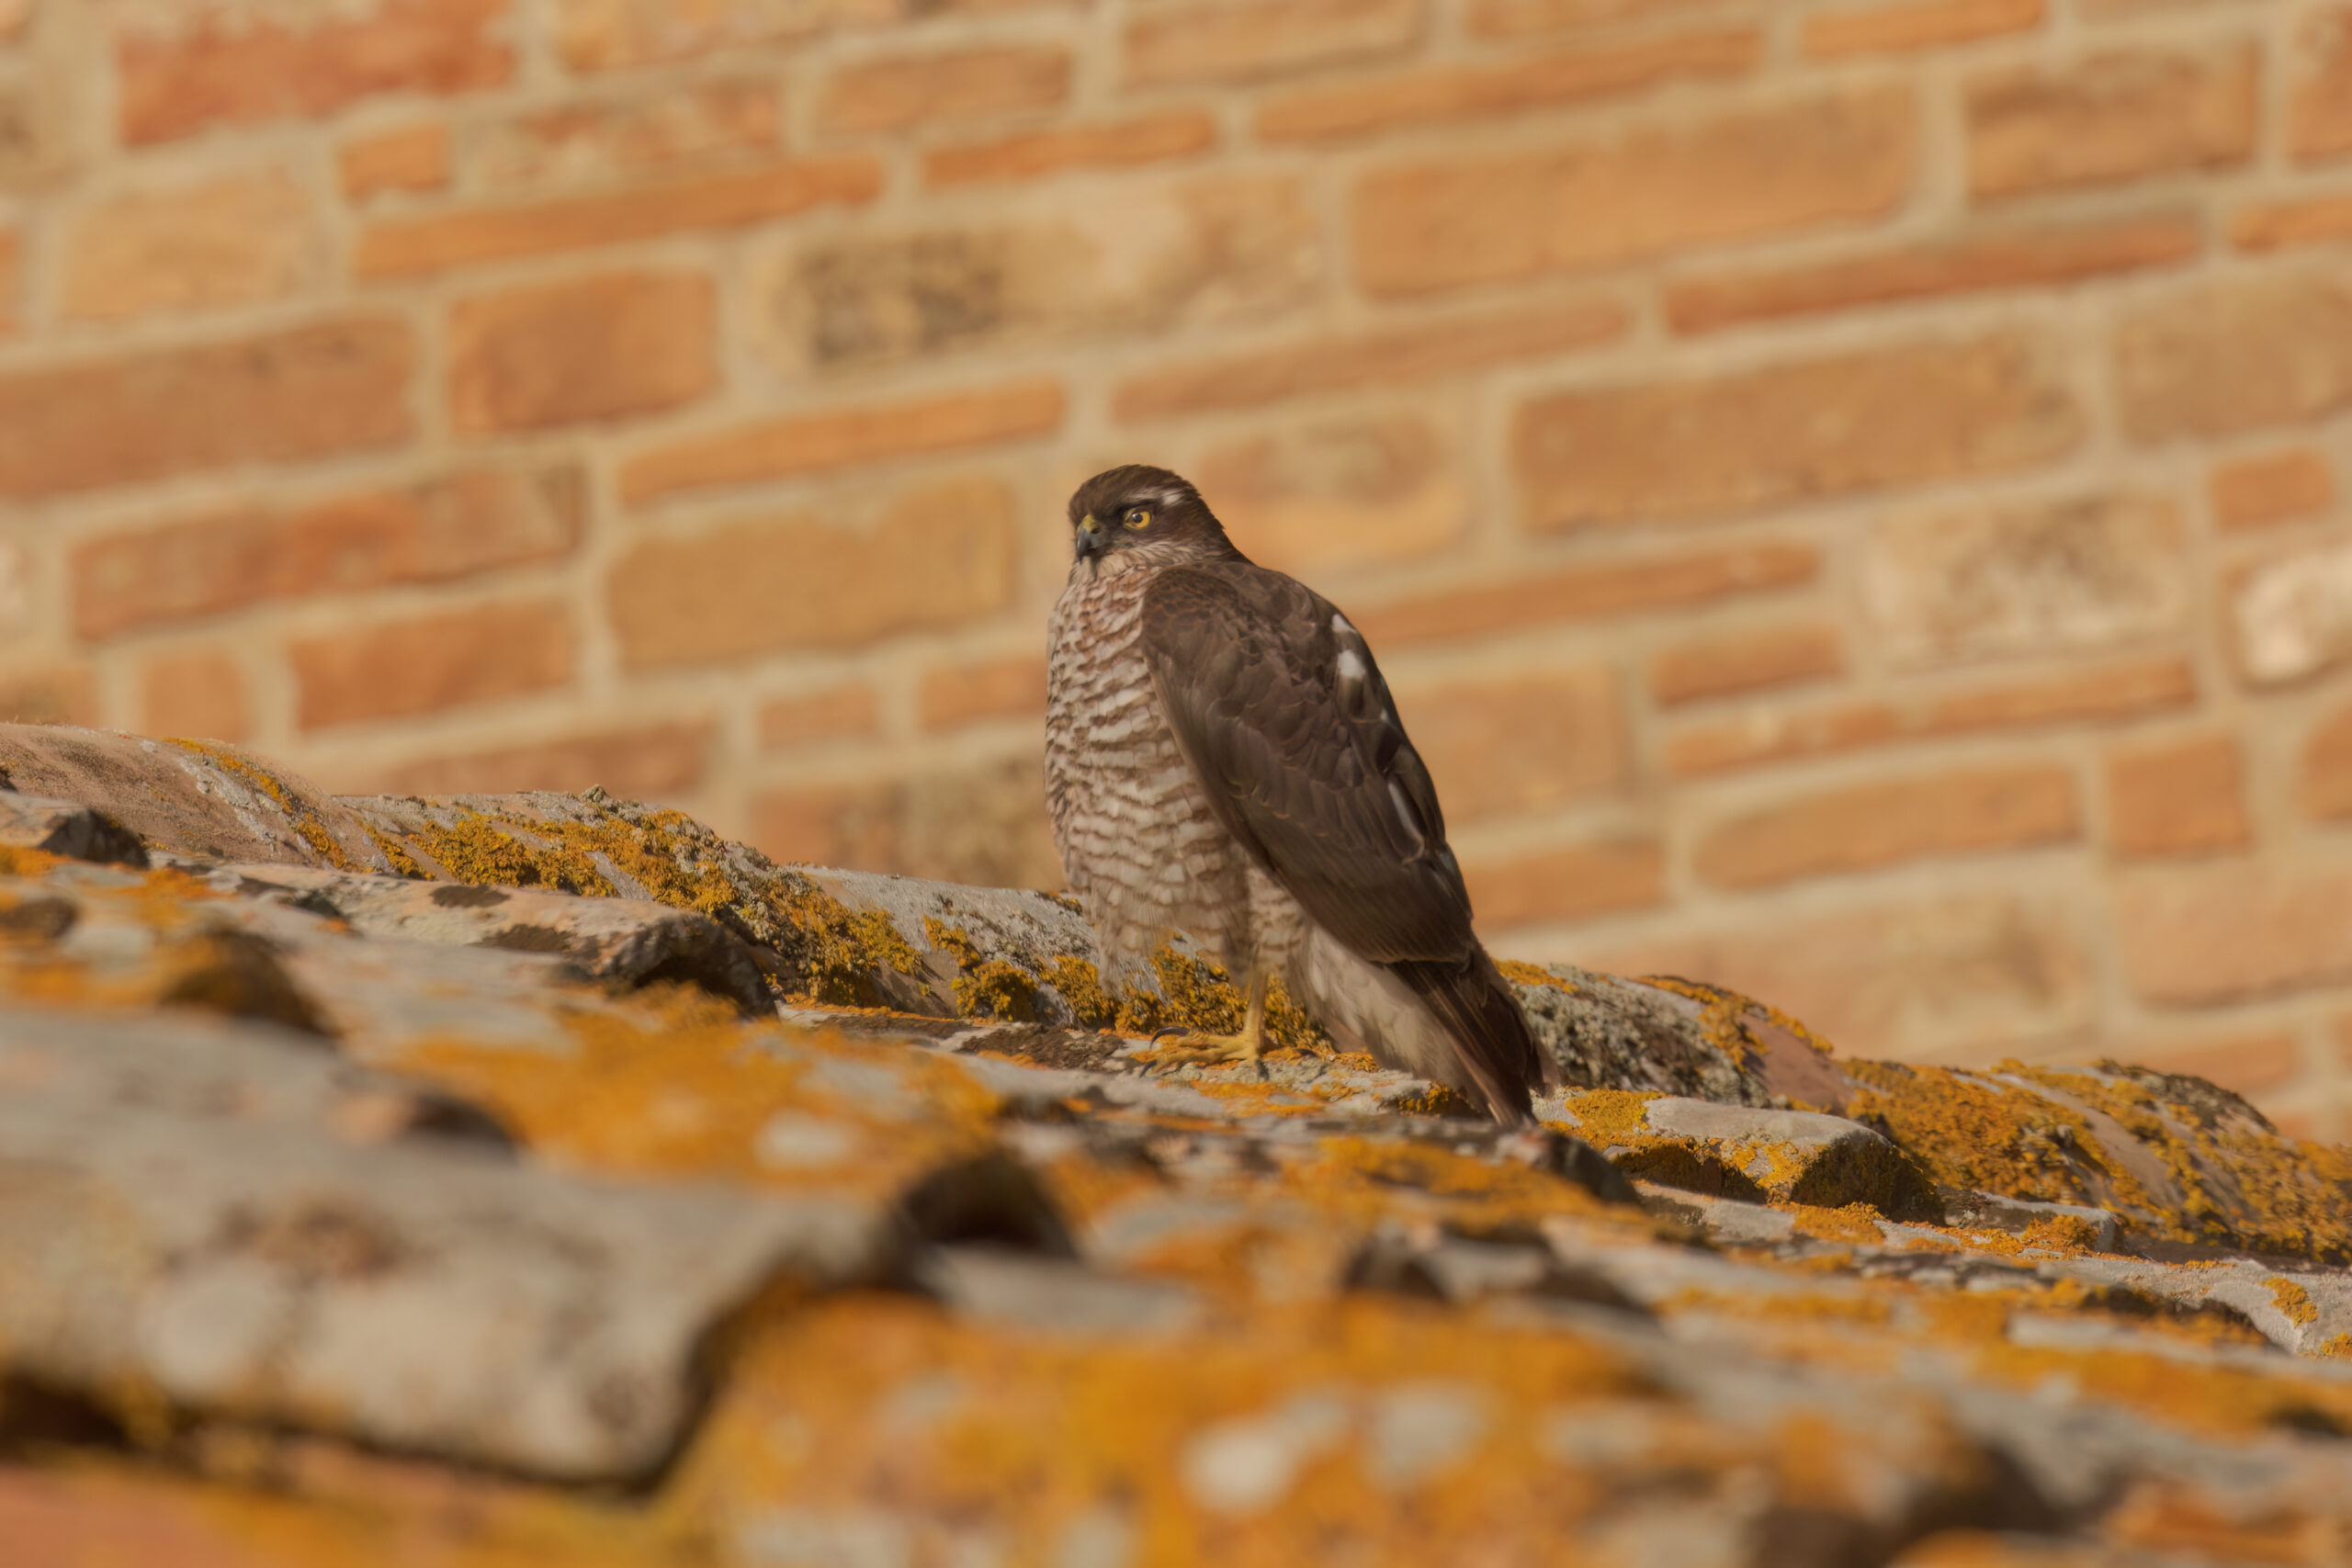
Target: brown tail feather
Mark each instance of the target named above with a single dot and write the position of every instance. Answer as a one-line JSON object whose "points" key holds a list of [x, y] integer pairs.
{"points": [[1490, 1035]]}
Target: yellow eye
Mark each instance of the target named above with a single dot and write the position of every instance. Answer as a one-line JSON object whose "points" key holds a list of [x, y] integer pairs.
{"points": [[1138, 517]]}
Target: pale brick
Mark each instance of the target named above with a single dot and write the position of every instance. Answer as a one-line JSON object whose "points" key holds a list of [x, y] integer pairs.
{"points": [[653, 761], [1788, 433], [2324, 785], [2318, 117], [12, 279], [2293, 615], [983, 824], [961, 693], [1519, 746], [850, 825], [217, 67], [586, 348], [411, 157], [1968, 263], [2234, 932], [1727, 663], [2272, 488], [591, 143], [1891, 822], [2282, 225], [431, 663], [2046, 577], [898, 95], [304, 392], [1521, 18], [1231, 41], [56, 693], [1106, 144], [1347, 363], [199, 694], [1423, 226], [1480, 92], [1333, 493], [233, 240], [2117, 117], [2243, 1064], [841, 438], [392, 247], [802, 718], [2238, 355], [1917, 24], [436, 531], [2182, 798], [1591, 592], [1582, 882], [937, 556]]}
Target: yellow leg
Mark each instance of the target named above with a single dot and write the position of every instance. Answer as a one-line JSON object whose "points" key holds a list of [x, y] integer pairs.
{"points": [[1190, 1045]]}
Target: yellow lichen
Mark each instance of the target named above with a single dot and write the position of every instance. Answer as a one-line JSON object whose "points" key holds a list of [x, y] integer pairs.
{"points": [[305, 821], [2294, 1300], [1527, 974], [985, 988]]}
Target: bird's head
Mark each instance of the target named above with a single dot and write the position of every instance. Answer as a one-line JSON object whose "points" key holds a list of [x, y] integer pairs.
{"points": [[1135, 515]]}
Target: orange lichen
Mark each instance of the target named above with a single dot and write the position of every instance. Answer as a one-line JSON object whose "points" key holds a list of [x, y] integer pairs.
{"points": [[305, 821], [2294, 1300], [1853, 1222], [1527, 974], [1436, 1100], [1986, 1136], [985, 988]]}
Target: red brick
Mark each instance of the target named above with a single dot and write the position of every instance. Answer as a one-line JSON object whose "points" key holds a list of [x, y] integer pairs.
{"points": [[2236, 932], [1521, 18], [1480, 92], [1422, 226], [1106, 144], [2237, 354], [2319, 119], [1521, 746], [412, 157], [1753, 439], [2325, 788], [586, 348], [654, 762], [855, 826], [220, 68], [1348, 489], [1230, 40], [303, 392], [235, 239], [200, 694], [2271, 488], [957, 694], [817, 443], [1582, 882], [2184, 797], [1725, 663], [600, 35], [835, 714], [392, 247], [1752, 738], [1591, 592], [2117, 117], [2280, 225], [2243, 1064], [437, 531], [1917, 24], [429, 663], [1890, 822], [1968, 263], [580, 143], [890, 96], [1345, 363], [937, 556]]}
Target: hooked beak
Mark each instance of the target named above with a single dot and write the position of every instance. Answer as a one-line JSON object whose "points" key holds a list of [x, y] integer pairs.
{"points": [[1090, 537]]}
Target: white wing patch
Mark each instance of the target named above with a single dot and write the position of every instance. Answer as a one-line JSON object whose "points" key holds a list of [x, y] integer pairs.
{"points": [[1352, 665], [1340, 625]]}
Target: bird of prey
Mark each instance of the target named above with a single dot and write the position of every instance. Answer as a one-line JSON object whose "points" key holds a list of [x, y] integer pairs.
{"points": [[1223, 759]]}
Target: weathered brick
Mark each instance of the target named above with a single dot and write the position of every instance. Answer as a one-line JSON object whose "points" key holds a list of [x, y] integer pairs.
{"points": [[392, 247], [1478, 92], [1889, 822], [2324, 785], [2197, 937], [1336, 493], [309, 392], [429, 663], [1103, 144], [1967, 263], [2117, 117], [217, 67], [581, 349], [1422, 226], [2085, 571], [2282, 225], [2182, 798], [1753, 439], [956, 694], [1724, 663], [2293, 615], [1520, 18], [2271, 488], [835, 714], [589, 143], [2243, 1063], [199, 694], [409, 157], [889, 95], [816, 442], [1231, 41], [1519, 746], [2319, 119], [653, 761], [937, 556], [1761, 736], [1581, 882], [854, 825], [1916, 24], [437, 531], [1591, 592], [2218, 357], [233, 238]]}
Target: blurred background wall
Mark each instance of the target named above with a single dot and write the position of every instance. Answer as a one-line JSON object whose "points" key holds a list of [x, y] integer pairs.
{"points": [[1850, 495]]}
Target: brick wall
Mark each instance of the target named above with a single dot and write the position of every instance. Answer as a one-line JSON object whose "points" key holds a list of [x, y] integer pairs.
{"points": [[1851, 494]]}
